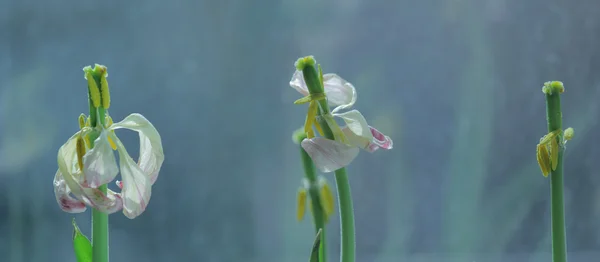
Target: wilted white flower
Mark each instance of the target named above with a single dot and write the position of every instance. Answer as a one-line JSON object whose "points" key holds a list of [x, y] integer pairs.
{"points": [[330, 155]]}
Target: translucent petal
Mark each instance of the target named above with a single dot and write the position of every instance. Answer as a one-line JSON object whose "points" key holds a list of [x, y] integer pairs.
{"points": [[357, 124], [74, 180], [298, 83], [329, 155], [353, 139], [151, 150], [339, 92], [106, 203], [137, 187], [99, 164], [63, 196]]}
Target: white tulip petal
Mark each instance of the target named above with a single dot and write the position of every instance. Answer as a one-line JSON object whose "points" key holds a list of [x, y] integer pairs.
{"points": [[329, 155], [151, 150], [63, 196], [298, 83], [74, 180], [99, 164], [356, 123], [108, 203], [339, 92], [137, 187]]}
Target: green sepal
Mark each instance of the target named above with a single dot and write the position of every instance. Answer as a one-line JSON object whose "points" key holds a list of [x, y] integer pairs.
{"points": [[81, 245], [316, 249], [310, 98]]}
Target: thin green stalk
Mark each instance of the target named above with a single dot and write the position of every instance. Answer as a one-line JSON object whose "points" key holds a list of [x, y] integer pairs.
{"points": [[346, 216], [100, 233], [347, 253], [99, 219], [554, 117], [317, 210], [99, 223]]}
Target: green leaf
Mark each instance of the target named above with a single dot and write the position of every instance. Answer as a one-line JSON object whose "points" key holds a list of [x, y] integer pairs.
{"points": [[314, 255], [81, 245]]}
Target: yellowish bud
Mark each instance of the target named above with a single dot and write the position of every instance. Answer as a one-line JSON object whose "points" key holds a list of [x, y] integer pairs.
{"points": [[543, 159], [310, 119], [554, 153], [104, 91], [301, 204], [81, 121], [569, 133], [327, 199], [80, 149], [93, 88]]}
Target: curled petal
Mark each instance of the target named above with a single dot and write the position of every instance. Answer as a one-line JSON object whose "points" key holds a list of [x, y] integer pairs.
{"points": [[63, 196], [99, 164], [379, 141], [73, 178], [151, 150], [339, 92], [298, 83], [329, 155], [137, 187]]}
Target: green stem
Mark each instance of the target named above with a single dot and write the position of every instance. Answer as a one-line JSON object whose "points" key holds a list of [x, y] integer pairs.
{"points": [[317, 210], [347, 253], [559, 242], [100, 233], [99, 219], [346, 216]]}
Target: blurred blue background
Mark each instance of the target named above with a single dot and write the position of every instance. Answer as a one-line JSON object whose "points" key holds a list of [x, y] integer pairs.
{"points": [[456, 84]]}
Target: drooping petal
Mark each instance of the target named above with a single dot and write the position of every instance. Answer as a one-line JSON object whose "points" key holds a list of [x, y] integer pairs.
{"points": [[99, 164], [151, 150], [298, 83], [329, 155], [137, 187], [74, 180], [379, 141], [357, 124], [339, 92], [63, 196]]}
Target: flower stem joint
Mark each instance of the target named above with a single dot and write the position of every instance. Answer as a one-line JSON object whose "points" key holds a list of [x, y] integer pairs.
{"points": [[336, 146], [551, 144]]}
